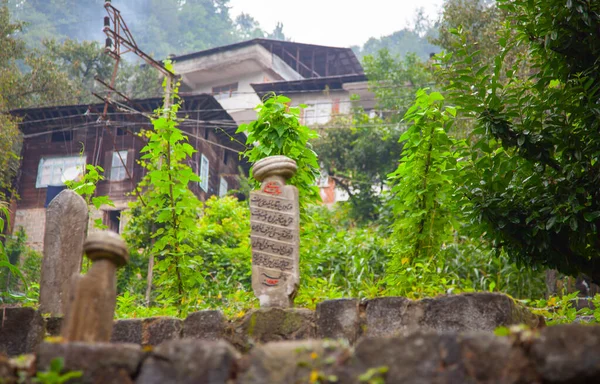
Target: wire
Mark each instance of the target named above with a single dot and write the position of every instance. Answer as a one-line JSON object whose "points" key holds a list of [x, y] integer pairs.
{"points": [[149, 115]]}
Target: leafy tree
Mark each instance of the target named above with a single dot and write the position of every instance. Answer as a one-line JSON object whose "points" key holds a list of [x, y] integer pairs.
{"points": [[360, 158], [531, 176], [277, 33], [479, 19], [247, 27]]}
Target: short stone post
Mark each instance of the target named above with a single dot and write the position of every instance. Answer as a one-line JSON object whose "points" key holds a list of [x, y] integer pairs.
{"points": [[275, 218], [92, 310], [66, 226]]}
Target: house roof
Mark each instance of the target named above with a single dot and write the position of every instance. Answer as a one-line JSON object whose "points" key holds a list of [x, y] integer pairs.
{"points": [[201, 110], [307, 85], [309, 60]]}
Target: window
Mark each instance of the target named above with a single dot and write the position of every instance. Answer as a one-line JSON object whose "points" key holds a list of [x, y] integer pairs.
{"points": [[59, 137], [113, 220], [51, 169], [225, 91], [204, 173], [225, 156], [222, 187], [317, 112], [117, 170]]}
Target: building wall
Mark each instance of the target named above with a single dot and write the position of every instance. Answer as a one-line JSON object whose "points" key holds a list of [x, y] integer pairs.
{"points": [[30, 211], [33, 221], [339, 101]]}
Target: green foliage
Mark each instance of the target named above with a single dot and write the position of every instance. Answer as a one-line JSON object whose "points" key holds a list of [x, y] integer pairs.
{"points": [[531, 172], [277, 131], [86, 187], [220, 252], [394, 81], [563, 309], [339, 258], [166, 211], [19, 287], [359, 158], [423, 194], [54, 376]]}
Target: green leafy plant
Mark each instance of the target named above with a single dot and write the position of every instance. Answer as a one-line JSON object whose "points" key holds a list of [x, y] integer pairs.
{"points": [[86, 188], [530, 181], [277, 131], [5, 262], [54, 373], [422, 199], [166, 212]]}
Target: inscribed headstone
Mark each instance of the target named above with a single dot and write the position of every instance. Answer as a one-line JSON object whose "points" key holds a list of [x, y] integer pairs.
{"points": [[275, 233]]}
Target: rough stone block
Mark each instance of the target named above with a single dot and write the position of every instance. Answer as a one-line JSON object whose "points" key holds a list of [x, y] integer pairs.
{"points": [[53, 325], [208, 325], [568, 354], [473, 311], [293, 362], [190, 361], [99, 362], [21, 330], [156, 330], [338, 319], [386, 316], [7, 372], [274, 324], [426, 357], [127, 331]]}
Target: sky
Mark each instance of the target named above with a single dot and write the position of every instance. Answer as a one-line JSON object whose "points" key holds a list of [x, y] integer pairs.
{"points": [[335, 22]]}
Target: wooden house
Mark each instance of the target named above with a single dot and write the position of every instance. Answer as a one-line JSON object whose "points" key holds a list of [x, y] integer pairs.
{"points": [[60, 140]]}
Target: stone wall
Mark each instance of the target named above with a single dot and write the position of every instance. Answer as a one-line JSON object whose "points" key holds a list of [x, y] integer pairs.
{"points": [[347, 319], [560, 354], [447, 339]]}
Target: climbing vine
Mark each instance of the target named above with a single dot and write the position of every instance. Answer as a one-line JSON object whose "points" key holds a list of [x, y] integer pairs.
{"points": [[164, 217], [422, 196]]}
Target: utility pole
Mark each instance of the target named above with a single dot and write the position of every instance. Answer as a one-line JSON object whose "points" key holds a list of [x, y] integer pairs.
{"points": [[119, 41]]}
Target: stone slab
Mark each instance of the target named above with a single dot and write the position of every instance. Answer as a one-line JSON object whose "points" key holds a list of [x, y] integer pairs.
{"points": [[156, 330], [307, 361], [338, 319], [99, 362], [127, 331], [207, 325], [66, 226], [273, 324], [21, 330], [190, 361], [568, 354]]}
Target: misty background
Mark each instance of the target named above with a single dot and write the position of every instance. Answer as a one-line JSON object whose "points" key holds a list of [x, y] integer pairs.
{"points": [[163, 27]]}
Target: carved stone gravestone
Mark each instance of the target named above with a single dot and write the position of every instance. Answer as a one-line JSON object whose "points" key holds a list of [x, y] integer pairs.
{"points": [[66, 226], [275, 233], [92, 310]]}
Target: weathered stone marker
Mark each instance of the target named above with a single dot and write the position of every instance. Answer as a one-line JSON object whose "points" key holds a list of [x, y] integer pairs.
{"points": [[66, 226], [92, 310], [275, 218]]}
